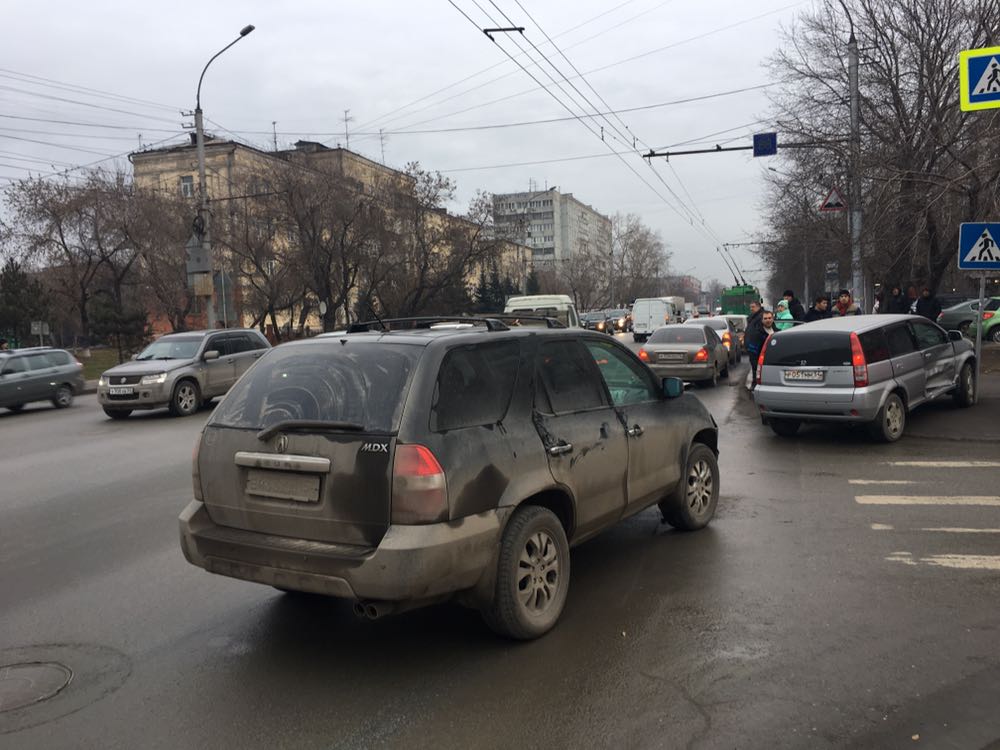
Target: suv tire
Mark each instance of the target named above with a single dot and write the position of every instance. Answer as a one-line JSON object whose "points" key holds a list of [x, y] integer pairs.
{"points": [[891, 420], [995, 335], [691, 506], [63, 397], [784, 427], [186, 399], [117, 413], [965, 391], [532, 575]]}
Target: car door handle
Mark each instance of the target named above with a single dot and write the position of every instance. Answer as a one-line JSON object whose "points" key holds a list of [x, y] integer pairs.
{"points": [[636, 431], [928, 355], [560, 449]]}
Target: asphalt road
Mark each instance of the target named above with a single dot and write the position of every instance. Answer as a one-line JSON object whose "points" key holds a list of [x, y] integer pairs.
{"points": [[846, 595]]}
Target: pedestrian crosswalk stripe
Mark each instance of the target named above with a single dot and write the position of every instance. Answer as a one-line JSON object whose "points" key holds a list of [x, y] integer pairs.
{"points": [[927, 500], [881, 527], [947, 464], [964, 562], [880, 481], [949, 530]]}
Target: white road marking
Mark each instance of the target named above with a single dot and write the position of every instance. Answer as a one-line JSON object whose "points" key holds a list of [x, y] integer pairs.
{"points": [[881, 527], [880, 481], [949, 530], [961, 562], [947, 464], [927, 500]]}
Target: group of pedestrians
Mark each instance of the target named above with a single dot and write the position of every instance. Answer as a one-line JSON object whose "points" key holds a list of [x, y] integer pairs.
{"points": [[895, 302]]}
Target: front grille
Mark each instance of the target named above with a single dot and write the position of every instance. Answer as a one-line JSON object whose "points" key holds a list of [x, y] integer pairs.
{"points": [[124, 379]]}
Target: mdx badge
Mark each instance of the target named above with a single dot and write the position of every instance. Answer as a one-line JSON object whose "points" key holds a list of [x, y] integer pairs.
{"points": [[375, 448]]}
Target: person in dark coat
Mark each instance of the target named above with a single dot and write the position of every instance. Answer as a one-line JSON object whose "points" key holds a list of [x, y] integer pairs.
{"points": [[756, 335], [820, 310], [928, 305], [894, 303], [754, 316], [794, 306]]}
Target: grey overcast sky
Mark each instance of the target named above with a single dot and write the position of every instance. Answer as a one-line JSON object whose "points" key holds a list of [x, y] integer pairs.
{"points": [[394, 65]]}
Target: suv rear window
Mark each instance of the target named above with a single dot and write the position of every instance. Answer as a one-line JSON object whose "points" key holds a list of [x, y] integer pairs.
{"points": [[474, 385], [992, 304], [678, 335], [363, 382], [812, 349]]}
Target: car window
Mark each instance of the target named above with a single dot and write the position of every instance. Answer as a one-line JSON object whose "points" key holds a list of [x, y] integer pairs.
{"points": [[241, 343], [361, 382], [928, 335], [628, 381], [15, 364], [569, 377], [678, 335], [222, 344], [874, 345], [811, 349], [900, 341], [58, 358], [474, 385], [39, 361], [992, 304]]}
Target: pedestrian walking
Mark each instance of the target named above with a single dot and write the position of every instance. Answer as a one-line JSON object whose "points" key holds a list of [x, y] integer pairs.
{"points": [[3, 345], [782, 314], [928, 305], [755, 337], [911, 300], [820, 309], [794, 306], [894, 303], [845, 305]]}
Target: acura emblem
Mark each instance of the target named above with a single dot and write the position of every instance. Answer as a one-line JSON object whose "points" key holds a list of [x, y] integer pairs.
{"points": [[281, 444]]}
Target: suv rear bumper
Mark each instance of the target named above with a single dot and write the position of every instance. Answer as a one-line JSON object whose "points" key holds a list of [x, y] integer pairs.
{"points": [[809, 404], [410, 563]]}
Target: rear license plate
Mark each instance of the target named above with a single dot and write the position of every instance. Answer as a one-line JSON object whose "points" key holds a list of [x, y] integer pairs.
{"points": [[117, 391], [669, 357], [804, 375], [302, 488]]}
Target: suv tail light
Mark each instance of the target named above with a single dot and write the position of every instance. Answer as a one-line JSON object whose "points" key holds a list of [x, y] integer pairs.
{"points": [[760, 358], [195, 473], [859, 362], [644, 355], [701, 355], [419, 489], [727, 339]]}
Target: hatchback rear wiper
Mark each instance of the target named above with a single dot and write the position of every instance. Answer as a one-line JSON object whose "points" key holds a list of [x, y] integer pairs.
{"points": [[308, 424]]}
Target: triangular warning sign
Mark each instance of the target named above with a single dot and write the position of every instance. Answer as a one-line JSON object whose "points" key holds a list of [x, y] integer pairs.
{"points": [[989, 81], [833, 202], [984, 251]]}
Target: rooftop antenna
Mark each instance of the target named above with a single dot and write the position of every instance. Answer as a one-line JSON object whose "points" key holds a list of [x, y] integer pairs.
{"points": [[274, 132], [347, 132]]}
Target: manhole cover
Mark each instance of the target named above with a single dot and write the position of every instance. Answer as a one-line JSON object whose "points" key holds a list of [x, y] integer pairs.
{"points": [[32, 682]]}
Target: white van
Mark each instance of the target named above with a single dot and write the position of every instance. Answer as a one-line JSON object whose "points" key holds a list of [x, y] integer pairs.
{"points": [[650, 313], [559, 306]]}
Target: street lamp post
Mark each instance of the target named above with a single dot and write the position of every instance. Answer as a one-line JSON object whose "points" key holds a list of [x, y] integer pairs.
{"points": [[203, 212]]}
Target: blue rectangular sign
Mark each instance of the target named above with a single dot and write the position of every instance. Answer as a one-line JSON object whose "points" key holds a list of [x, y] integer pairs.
{"points": [[977, 247], [765, 144]]}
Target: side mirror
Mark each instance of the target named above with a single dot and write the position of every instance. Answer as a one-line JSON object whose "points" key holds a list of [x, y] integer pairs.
{"points": [[673, 387], [210, 355], [955, 335]]}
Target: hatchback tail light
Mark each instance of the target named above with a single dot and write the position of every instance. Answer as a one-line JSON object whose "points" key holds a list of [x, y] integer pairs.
{"points": [[760, 358], [859, 362], [988, 315], [701, 355], [727, 339], [644, 355], [419, 489]]}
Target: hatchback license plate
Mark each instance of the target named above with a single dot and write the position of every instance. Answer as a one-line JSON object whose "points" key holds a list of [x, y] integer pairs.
{"points": [[669, 357], [301, 488], [804, 375], [117, 391]]}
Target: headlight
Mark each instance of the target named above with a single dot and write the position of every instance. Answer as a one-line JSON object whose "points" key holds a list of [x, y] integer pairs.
{"points": [[102, 381], [154, 379], [621, 321]]}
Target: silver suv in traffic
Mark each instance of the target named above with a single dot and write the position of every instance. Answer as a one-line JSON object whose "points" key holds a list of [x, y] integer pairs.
{"points": [[181, 371], [870, 369]]}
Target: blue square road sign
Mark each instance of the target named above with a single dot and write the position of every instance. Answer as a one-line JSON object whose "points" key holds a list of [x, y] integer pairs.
{"points": [[979, 78], [765, 144], [977, 247]]}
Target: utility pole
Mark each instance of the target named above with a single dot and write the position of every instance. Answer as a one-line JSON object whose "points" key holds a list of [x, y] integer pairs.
{"points": [[347, 132], [857, 272], [381, 138], [274, 133]]}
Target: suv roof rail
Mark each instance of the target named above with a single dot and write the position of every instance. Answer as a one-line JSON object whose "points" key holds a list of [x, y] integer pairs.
{"points": [[550, 322], [491, 323]]}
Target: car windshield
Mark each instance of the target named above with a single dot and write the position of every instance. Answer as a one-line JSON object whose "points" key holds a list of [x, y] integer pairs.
{"points": [[172, 348], [361, 382], [678, 335]]}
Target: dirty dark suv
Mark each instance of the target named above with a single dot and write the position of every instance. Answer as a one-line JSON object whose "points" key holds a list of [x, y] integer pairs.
{"points": [[402, 467]]}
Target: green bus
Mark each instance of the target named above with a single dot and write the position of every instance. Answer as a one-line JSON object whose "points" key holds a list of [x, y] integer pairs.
{"points": [[736, 299]]}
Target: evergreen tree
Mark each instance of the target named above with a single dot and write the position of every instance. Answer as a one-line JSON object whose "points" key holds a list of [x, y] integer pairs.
{"points": [[22, 300]]}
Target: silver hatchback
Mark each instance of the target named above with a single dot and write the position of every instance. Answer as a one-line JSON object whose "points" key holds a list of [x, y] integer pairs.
{"points": [[863, 369]]}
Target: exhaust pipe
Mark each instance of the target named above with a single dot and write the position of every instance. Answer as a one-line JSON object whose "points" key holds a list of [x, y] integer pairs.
{"points": [[359, 610], [374, 610]]}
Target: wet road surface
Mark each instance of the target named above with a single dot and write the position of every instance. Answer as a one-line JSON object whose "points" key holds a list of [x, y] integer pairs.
{"points": [[846, 595]]}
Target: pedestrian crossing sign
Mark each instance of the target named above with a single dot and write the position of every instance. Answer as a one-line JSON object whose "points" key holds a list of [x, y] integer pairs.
{"points": [[977, 247], [979, 78]]}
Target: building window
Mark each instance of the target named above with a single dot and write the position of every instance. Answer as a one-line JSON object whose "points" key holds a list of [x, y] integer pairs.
{"points": [[187, 186]]}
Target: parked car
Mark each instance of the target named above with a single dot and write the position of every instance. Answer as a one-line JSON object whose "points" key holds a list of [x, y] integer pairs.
{"points": [[867, 369], [990, 320], [180, 371], [39, 374], [690, 352], [959, 317], [727, 332], [950, 299], [598, 321], [403, 468]]}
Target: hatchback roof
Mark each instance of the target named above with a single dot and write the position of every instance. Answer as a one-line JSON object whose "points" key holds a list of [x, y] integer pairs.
{"points": [[850, 323]]}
